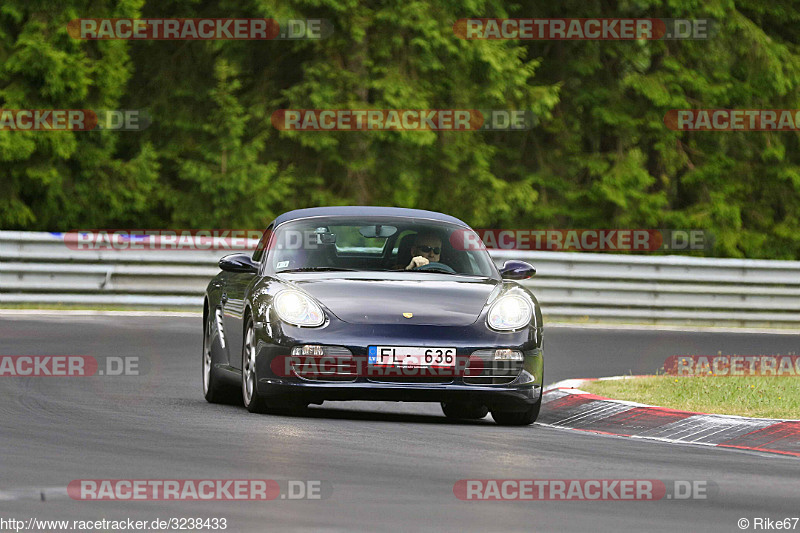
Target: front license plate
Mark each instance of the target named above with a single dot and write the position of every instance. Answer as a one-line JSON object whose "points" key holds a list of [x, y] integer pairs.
{"points": [[411, 356]]}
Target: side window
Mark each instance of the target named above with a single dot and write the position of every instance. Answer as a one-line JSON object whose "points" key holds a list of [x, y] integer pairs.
{"points": [[262, 245]]}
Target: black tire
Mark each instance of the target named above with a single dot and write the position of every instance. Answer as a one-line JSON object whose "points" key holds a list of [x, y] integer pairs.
{"points": [[518, 418], [464, 411], [214, 389], [253, 401]]}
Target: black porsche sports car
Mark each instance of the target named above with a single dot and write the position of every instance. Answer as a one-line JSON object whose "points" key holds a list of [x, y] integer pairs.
{"points": [[373, 303]]}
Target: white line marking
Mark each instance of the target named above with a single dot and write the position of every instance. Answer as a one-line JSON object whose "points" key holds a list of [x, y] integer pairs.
{"points": [[87, 312], [764, 454], [593, 413], [33, 493], [721, 418], [655, 327]]}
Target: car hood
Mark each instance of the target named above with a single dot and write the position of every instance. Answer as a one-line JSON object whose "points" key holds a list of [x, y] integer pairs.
{"points": [[443, 302]]}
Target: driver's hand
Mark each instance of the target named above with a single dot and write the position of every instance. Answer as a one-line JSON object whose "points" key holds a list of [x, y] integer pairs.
{"points": [[417, 262]]}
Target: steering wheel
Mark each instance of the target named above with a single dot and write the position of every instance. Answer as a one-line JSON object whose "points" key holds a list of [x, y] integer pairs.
{"points": [[435, 266]]}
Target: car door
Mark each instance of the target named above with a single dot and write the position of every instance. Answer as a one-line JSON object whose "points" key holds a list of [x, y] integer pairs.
{"points": [[234, 296]]}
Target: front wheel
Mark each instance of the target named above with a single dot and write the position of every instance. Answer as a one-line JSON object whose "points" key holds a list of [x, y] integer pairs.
{"points": [[252, 400], [518, 418]]}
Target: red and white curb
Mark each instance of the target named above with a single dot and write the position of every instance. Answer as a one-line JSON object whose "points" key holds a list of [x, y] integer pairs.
{"points": [[566, 406]]}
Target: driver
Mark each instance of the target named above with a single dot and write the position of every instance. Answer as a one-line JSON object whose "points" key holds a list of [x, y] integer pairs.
{"points": [[427, 249]]}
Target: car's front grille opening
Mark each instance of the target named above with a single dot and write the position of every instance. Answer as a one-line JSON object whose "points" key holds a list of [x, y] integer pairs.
{"points": [[484, 369], [323, 363]]}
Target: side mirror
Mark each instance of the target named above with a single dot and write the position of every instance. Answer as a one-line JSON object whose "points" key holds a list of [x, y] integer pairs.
{"points": [[517, 270], [238, 263]]}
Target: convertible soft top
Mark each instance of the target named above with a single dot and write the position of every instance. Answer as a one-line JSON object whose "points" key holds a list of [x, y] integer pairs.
{"points": [[365, 210]]}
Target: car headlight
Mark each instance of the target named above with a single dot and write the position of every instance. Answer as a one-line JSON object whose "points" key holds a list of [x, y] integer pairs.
{"points": [[510, 312], [298, 309]]}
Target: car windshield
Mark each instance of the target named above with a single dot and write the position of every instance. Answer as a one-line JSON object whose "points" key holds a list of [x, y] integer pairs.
{"points": [[378, 244]]}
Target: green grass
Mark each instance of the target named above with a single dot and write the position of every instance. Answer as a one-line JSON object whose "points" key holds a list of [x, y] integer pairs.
{"points": [[758, 396]]}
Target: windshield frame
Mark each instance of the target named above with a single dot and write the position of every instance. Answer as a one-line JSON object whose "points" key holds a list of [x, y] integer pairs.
{"points": [[443, 226]]}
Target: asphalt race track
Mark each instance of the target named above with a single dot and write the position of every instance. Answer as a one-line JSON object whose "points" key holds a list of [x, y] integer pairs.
{"points": [[392, 466]]}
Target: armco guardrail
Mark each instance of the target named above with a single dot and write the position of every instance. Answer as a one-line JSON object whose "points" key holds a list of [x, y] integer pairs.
{"points": [[38, 268]]}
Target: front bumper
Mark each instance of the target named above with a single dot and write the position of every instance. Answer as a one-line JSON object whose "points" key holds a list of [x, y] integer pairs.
{"points": [[508, 397], [516, 395]]}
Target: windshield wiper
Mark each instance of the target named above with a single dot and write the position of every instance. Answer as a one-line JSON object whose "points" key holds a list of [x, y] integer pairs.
{"points": [[318, 269]]}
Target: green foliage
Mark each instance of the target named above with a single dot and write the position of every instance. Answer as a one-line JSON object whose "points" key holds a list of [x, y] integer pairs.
{"points": [[600, 155]]}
